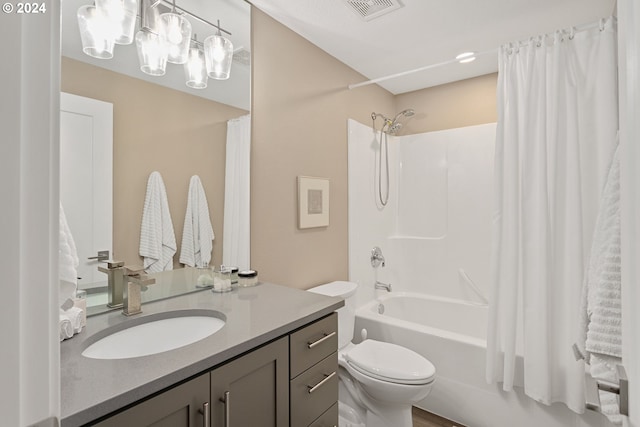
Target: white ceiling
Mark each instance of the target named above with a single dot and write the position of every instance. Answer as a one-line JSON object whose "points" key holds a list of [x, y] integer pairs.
{"points": [[426, 32]]}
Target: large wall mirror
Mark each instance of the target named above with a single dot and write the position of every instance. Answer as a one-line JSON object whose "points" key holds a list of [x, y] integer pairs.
{"points": [[159, 124]]}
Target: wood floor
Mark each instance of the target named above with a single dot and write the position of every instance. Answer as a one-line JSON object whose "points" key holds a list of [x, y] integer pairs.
{"points": [[427, 419]]}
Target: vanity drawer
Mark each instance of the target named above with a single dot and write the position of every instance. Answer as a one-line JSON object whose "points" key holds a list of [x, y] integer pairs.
{"points": [[328, 419], [313, 343], [314, 391]]}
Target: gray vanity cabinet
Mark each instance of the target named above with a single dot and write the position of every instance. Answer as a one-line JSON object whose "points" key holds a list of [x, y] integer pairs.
{"points": [[314, 374], [289, 382], [253, 390], [181, 406]]}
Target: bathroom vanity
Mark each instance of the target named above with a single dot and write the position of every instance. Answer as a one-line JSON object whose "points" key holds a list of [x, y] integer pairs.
{"points": [[273, 363]]}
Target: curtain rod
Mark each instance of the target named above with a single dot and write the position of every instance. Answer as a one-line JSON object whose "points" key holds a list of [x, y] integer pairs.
{"points": [[416, 70], [599, 23]]}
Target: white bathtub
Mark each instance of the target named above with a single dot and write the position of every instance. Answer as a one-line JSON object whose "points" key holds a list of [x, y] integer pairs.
{"points": [[452, 335]]}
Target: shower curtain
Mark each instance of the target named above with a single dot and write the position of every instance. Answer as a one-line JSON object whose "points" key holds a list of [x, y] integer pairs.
{"points": [[557, 123], [236, 237]]}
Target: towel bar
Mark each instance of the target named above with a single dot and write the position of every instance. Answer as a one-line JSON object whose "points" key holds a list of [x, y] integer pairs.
{"points": [[622, 390]]}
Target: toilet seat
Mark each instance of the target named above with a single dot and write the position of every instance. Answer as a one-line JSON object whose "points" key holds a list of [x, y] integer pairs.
{"points": [[390, 362]]}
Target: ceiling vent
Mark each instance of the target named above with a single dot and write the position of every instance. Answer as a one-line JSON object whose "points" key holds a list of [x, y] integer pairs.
{"points": [[371, 9]]}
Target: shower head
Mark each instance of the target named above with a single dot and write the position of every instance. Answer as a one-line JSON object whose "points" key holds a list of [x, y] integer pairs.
{"points": [[395, 125], [404, 113], [392, 126]]}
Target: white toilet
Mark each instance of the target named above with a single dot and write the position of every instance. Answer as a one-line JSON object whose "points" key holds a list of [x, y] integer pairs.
{"points": [[379, 381]]}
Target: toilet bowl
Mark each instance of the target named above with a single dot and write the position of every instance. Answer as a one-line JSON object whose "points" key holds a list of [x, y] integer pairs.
{"points": [[379, 381]]}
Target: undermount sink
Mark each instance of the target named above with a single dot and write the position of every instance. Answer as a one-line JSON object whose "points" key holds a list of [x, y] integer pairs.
{"points": [[155, 336]]}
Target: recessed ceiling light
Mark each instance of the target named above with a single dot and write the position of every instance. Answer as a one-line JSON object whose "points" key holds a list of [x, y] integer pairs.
{"points": [[466, 57]]}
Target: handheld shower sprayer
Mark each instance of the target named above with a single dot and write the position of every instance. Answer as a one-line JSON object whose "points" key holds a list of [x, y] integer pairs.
{"points": [[388, 127]]}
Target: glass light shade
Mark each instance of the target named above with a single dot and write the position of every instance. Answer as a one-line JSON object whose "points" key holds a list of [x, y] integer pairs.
{"points": [[122, 16], [177, 34], [195, 69], [218, 52], [95, 32], [152, 53]]}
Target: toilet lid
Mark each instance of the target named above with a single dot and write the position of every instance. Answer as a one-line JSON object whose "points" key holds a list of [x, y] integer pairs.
{"points": [[390, 362]]}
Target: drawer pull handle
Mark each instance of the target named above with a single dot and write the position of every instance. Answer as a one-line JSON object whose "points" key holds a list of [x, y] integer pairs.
{"points": [[227, 408], [313, 388], [310, 345], [205, 414]]}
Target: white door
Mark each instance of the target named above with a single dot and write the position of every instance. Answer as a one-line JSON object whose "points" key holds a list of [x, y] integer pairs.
{"points": [[86, 161]]}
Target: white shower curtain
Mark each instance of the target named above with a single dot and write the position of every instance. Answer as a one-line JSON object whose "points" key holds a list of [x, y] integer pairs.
{"points": [[236, 237], [557, 123]]}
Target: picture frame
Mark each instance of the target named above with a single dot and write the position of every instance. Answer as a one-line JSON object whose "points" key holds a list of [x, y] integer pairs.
{"points": [[313, 202]]}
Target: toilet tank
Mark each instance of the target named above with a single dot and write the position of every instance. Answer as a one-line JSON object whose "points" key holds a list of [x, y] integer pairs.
{"points": [[346, 314]]}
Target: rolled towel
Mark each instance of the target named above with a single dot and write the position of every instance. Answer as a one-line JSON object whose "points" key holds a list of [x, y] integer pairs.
{"points": [[75, 314], [66, 328]]}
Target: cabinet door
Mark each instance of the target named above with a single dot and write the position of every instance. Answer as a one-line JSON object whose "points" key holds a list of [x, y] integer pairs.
{"points": [[176, 407], [253, 390]]}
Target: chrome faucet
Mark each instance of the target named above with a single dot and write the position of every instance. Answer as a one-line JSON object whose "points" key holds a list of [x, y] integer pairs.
{"points": [[385, 286], [115, 282], [136, 279]]}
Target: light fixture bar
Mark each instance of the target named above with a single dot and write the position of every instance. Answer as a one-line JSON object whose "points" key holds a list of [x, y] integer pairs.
{"points": [[193, 15]]}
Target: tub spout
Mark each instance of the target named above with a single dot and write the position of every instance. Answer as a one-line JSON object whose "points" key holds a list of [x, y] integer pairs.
{"points": [[385, 286]]}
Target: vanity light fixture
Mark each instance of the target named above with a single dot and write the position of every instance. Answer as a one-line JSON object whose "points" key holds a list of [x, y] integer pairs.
{"points": [[219, 55], [150, 43], [162, 38], [95, 32], [121, 14], [195, 68], [466, 57], [177, 33]]}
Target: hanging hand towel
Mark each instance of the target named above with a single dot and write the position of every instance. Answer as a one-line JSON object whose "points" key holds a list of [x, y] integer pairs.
{"points": [[157, 240], [197, 235], [601, 324], [68, 260]]}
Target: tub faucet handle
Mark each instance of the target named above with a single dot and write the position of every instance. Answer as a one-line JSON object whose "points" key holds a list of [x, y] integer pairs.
{"points": [[363, 334], [376, 257]]}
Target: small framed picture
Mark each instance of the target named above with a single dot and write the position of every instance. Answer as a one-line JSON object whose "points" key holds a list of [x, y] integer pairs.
{"points": [[313, 202]]}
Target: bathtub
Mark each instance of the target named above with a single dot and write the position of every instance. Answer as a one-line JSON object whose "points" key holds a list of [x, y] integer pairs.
{"points": [[452, 335]]}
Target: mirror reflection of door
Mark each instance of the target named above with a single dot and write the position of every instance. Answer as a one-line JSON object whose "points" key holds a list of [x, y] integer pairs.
{"points": [[86, 158]]}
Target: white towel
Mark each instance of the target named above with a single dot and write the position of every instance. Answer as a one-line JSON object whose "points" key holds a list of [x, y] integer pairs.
{"points": [[66, 329], [70, 322], [68, 260], [197, 235], [601, 320], [601, 304], [157, 239]]}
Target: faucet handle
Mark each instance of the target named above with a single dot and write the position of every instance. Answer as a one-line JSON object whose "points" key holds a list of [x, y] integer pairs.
{"points": [[111, 265], [133, 270], [135, 274]]}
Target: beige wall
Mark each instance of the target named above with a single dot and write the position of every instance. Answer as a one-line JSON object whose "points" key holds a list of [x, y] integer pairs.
{"points": [[156, 128], [464, 103], [300, 109]]}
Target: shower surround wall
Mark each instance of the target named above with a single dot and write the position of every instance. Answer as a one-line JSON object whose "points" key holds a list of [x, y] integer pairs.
{"points": [[438, 217]]}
